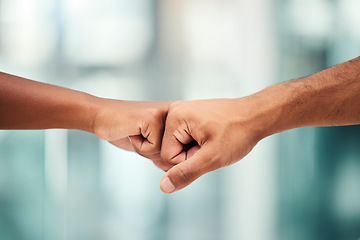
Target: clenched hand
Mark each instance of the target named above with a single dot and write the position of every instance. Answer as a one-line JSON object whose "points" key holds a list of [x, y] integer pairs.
{"points": [[201, 136]]}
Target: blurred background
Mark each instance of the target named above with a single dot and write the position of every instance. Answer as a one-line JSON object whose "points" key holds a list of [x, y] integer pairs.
{"points": [[68, 185]]}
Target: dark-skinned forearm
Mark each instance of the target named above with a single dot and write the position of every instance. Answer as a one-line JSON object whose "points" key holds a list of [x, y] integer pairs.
{"points": [[26, 104]]}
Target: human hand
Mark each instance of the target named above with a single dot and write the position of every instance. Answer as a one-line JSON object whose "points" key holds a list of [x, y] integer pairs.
{"points": [[201, 136], [131, 125]]}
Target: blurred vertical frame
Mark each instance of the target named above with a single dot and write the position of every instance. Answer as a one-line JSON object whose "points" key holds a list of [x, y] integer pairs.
{"points": [[56, 184]]}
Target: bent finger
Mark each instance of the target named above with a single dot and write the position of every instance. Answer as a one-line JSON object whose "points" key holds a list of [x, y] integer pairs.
{"points": [[174, 140], [182, 174]]}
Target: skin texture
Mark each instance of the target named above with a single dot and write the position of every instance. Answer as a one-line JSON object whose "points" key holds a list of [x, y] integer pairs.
{"points": [[26, 104], [226, 130], [187, 138]]}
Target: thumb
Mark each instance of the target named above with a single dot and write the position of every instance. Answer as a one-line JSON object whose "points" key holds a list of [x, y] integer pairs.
{"points": [[184, 173]]}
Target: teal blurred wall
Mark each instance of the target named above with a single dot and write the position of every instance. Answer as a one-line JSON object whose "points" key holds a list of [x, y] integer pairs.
{"points": [[318, 168], [60, 184]]}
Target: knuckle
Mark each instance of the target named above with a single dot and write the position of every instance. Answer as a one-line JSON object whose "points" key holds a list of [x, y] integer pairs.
{"points": [[176, 104], [176, 108], [155, 114], [165, 156]]}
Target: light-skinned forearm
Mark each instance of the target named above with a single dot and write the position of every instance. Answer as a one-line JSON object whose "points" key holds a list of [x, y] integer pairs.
{"points": [[226, 130], [328, 98]]}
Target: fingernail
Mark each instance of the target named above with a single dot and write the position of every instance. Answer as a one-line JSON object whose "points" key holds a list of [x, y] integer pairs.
{"points": [[166, 185]]}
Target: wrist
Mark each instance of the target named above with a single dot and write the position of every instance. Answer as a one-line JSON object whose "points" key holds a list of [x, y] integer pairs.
{"points": [[269, 110], [288, 105], [255, 115], [100, 116], [114, 119], [86, 111]]}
